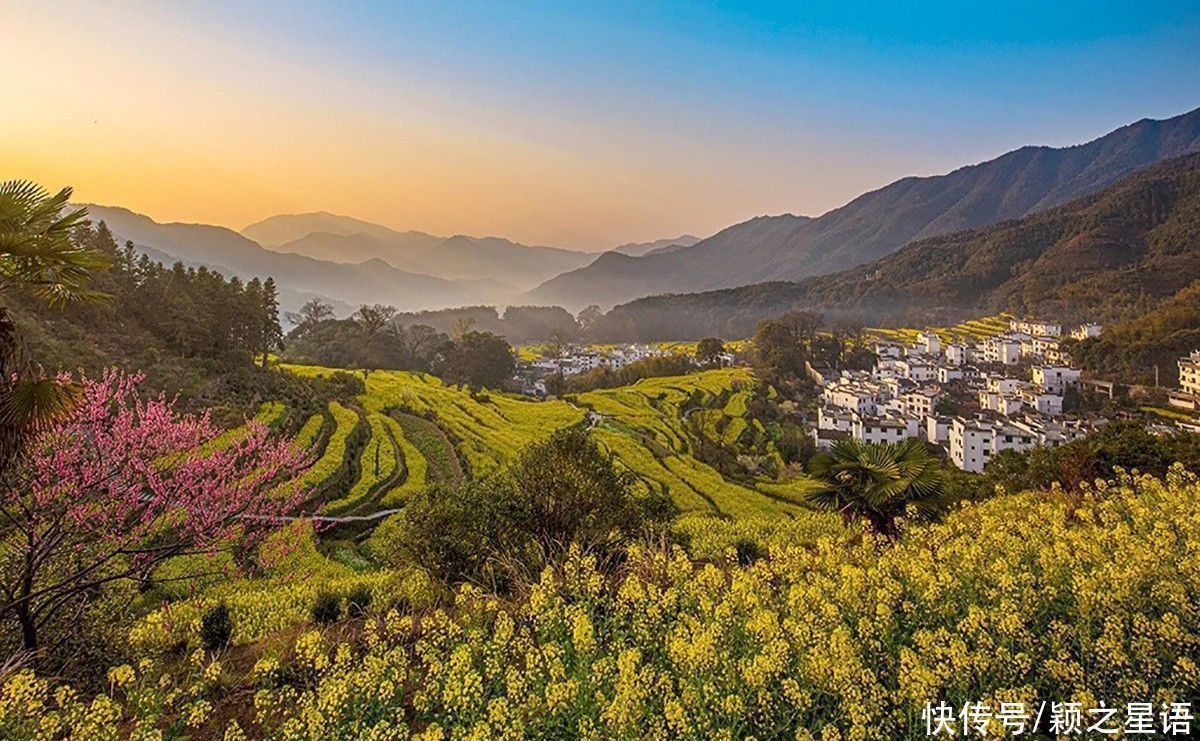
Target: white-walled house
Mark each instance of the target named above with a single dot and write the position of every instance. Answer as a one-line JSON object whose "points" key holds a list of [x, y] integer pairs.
{"points": [[920, 402], [871, 429], [889, 350], [1042, 401], [946, 373], [970, 443], [973, 442], [1001, 385], [853, 395], [1005, 350], [1055, 378], [918, 369], [955, 353], [1189, 373], [1086, 330], [834, 419], [1035, 327], [937, 429], [930, 343]]}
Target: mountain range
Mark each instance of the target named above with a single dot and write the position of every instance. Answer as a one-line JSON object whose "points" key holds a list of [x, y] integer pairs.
{"points": [[1109, 256], [349, 261], [788, 248], [299, 277], [658, 246], [325, 236]]}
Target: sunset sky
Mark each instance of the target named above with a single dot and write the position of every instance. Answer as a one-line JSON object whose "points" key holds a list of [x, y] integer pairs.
{"points": [[574, 124]]}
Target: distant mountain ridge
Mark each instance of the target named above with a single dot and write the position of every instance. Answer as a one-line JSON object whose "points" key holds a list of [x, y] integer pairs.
{"points": [[1015, 184], [460, 257], [283, 228], [370, 281], [637, 249], [614, 277], [1108, 256]]}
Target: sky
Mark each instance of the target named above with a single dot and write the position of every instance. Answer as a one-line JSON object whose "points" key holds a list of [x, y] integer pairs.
{"points": [[581, 125]]}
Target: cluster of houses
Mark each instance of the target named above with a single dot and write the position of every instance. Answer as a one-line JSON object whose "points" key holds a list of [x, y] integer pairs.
{"points": [[975, 399], [531, 376]]}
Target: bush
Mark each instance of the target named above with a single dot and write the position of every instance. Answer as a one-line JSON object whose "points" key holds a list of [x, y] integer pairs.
{"points": [[748, 551], [327, 609], [358, 601], [560, 491], [216, 628]]}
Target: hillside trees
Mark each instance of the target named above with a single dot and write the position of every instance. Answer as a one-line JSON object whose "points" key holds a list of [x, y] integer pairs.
{"points": [[116, 488], [152, 309], [1130, 351], [372, 339], [783, 345], [478, 359], [708, 350]]}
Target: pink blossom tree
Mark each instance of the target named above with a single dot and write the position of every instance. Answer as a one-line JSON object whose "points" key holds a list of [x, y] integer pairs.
{"points": [[119, 486]]}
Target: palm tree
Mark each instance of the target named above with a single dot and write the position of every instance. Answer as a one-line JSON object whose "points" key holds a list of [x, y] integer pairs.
{"points": [[37, 257], [878, 483]]}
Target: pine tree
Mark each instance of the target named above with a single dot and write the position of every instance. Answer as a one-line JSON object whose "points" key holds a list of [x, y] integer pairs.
{"points": [[272, 334]]}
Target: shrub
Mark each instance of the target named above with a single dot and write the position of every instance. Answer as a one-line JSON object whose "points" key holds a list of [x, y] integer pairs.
{"points": [[358, 601], [748, 551], [216, 628], [560, 491], [327, 609]]}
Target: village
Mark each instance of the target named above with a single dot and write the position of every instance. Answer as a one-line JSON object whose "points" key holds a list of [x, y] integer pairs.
{"points": [[1015, 390], [1012, 391]]}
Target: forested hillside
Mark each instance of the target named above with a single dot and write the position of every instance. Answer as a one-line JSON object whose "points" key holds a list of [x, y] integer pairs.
{"points": [[189, 331], [1107, 257], [1021, 182]]}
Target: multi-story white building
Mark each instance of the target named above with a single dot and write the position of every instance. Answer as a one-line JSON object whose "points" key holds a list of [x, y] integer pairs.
{"points": [[1055, 378], [1035, 327], [887, 368], [946, 373], [856, 396], [929, 343], [970, 443], [1084, 331], [1001, 385], [973, 442], [917, 368], [1001, 349], [834, 419], [1189, 373], [1006, 403], [1041, 401], [937, 430], [955, 353], [889, 349], [920, 402], [871, 429], [1038, 347]]}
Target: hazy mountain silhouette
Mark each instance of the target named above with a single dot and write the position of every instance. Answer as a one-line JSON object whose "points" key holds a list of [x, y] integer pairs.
{"points": [[1108, 256], [637, 249], [231, 253], [348, 240], [1021, 182]]}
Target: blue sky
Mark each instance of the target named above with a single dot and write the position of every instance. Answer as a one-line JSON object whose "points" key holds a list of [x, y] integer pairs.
{"points": [[587, 124]]}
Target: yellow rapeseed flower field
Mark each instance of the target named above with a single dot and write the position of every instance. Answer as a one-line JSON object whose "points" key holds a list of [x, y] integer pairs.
{"points": [[1046, 595]]}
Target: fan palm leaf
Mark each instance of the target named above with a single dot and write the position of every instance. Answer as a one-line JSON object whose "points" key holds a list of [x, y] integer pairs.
{"points": [[39, 257], [878, 483]]}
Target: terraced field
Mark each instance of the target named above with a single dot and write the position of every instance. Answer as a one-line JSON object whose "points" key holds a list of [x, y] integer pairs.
{"points": [[644, 425], [975, 329], [409, 429]]}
